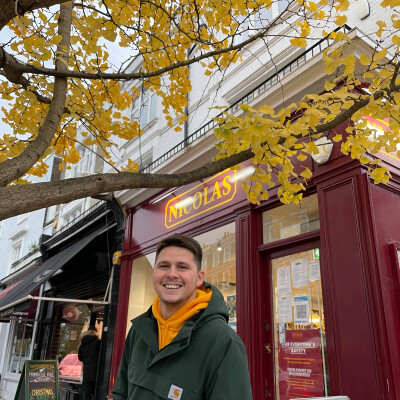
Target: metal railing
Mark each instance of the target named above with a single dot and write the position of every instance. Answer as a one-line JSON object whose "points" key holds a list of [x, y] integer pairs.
{"points": [[286, 70], [78, 218]]}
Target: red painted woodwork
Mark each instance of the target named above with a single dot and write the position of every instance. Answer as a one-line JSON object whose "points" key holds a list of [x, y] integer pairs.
{"points": [[359, 228], [386, 213], [250, 297], [352, 323]]}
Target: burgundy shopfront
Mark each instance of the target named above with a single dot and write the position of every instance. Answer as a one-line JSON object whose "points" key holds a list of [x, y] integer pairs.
{"points": [[313, 290]]}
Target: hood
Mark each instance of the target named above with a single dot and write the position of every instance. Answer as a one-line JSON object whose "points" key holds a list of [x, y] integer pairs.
{"points": [[87, 339], [216, 307]]}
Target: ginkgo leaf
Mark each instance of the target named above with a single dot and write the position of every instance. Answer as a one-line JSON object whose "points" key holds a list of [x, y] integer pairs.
{"points": [[306, 173]]}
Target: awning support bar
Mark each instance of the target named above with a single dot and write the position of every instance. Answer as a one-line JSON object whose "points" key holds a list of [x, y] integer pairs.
{"points": [[51, 299], [15, 303], [67, 300]]}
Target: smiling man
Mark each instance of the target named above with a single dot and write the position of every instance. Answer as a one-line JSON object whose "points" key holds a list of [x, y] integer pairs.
{"points": [[182, 348]]}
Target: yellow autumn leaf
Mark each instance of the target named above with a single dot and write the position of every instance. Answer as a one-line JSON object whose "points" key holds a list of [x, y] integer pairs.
{"points": [[245, 186], [340, 20], [302, 157], [298, 42], [337, 138], [306, 173], [329, 86], [364, 60], [380, 54]]}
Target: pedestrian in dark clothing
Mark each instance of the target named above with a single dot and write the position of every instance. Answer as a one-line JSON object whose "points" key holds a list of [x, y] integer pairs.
{"points": [[88, 353]]}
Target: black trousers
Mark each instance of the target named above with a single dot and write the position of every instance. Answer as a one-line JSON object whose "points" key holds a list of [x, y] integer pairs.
{"points": [[88, 388]]}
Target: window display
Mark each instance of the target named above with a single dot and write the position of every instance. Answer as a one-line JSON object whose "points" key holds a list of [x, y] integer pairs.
{"points": [[219, 266], [290, 220], [299, 326], [20, 345], [219, 254], [71, 321]]}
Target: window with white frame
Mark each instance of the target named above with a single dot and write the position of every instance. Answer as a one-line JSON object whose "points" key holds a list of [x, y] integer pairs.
{"points": [[71, 215], [144, 107], [22, 217], [16, 251], [1, 227], [251, 23], [50, 214], [227, 253], [216, 258], [21, 342], [83, 167]]}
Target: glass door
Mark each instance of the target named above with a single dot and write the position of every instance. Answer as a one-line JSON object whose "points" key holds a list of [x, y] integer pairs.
{"points": [[298, 348]]}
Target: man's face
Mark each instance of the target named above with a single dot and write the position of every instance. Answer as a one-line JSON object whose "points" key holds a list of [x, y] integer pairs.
{"points": [[175, 279]]}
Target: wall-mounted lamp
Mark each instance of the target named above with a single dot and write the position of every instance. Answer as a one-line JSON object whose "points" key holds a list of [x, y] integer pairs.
{"points": [[363, 9], [219, 246], [325, 147]]}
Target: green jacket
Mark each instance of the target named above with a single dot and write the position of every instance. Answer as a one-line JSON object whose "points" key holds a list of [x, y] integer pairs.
{"points": [[206, 360]]}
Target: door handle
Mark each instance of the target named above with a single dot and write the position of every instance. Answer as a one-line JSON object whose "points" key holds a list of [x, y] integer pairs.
{"points": [[268, 348]]}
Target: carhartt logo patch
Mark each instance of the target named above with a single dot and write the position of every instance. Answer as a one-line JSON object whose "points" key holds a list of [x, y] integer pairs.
{"points": [[175, 392]]}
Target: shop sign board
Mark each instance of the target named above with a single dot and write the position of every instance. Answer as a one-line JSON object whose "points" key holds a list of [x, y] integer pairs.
{"points": [[39, 381], [210, 194], [300, 364]]}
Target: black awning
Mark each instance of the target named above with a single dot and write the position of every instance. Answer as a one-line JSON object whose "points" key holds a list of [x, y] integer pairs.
{"points": [[41, 274]]}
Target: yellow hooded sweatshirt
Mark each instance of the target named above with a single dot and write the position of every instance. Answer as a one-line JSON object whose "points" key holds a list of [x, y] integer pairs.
{"points": [[168, 329]]}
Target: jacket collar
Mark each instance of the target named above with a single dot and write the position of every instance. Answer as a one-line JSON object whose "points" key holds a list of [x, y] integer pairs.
{"points": [[146, 326]]}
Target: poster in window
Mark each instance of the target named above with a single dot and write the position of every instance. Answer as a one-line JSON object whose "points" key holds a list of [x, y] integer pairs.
{"points": [[285, 308], [300, 365], [283, 280], [301, 310], [231, 304], [314, 271], [299, 273]]}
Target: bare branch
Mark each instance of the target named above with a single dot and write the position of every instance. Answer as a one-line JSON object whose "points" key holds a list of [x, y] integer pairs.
{"points": [[20, 68]]}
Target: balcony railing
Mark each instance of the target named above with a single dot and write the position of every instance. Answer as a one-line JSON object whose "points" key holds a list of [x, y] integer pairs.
{"points": [[286, 70]]}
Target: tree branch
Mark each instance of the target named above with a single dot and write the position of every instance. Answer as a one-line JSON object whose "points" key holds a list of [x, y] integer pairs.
{"points": [[13, 198], [14, 168], [20, 68], [7, 8]]}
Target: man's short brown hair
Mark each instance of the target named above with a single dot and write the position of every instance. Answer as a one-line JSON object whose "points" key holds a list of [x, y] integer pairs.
{"points": [[185, 242]]}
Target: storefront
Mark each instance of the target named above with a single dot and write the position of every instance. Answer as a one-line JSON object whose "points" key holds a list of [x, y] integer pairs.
{"points": [[313, 290], [73, 289]]}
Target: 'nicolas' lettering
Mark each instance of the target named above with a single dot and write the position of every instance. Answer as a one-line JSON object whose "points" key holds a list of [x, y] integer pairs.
{"points": [[212, 193]]}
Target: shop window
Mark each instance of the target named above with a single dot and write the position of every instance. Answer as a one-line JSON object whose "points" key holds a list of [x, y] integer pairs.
{"points": [[290, 220], [71, 321], [21, 341], [222, 274], [299, 325], [142, 294]]}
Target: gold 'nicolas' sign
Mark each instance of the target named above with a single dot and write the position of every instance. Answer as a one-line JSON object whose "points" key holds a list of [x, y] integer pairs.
{"points": [[212, 193]]}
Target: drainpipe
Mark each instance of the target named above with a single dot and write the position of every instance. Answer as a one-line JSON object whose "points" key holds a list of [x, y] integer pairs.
{"points": [[186, 123]]}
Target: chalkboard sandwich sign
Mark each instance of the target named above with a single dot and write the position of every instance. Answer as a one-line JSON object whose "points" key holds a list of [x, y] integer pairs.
{"points": [[40, 381]]}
